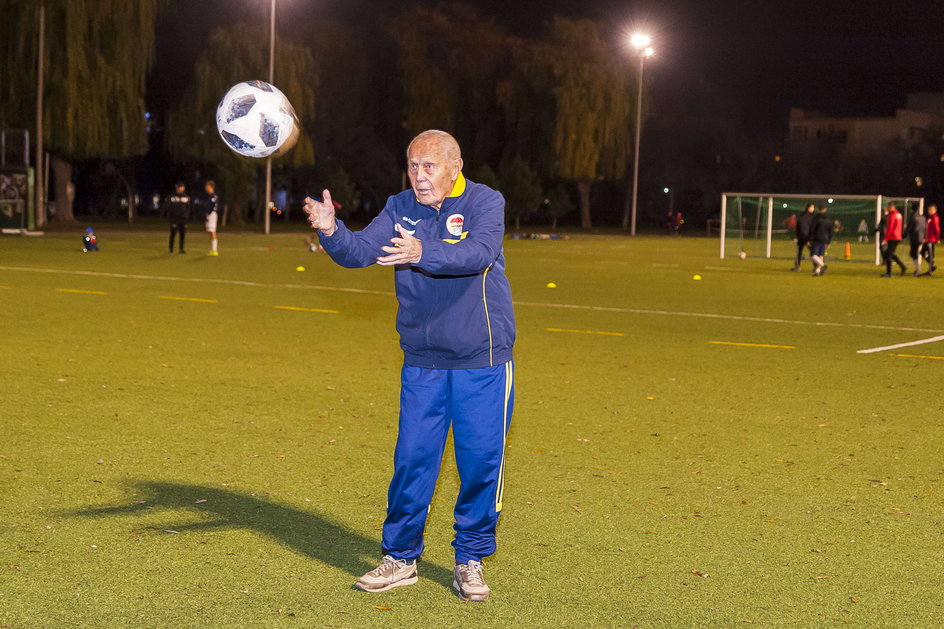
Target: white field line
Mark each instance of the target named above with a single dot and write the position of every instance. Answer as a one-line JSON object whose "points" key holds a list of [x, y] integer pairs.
{"points": [[709, 315], [933, 339], [640, 311], [167, 278]]}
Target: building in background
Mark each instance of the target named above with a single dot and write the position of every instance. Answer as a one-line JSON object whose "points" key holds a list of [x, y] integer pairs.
{"points": [[920, 121]]}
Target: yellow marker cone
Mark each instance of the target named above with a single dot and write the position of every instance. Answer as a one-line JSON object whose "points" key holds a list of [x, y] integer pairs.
{"points": [[847, 254]]}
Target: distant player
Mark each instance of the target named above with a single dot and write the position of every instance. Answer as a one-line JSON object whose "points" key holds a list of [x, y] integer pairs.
{"points": [[917, 230], [804, 222], [89, 241], [932, 238], [177, 209], [863, 231], [821, 234], [209, 204], [891, 239]]}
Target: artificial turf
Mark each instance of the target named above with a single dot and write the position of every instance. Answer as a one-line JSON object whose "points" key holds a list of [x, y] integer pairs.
{"points": [[205, 442]]}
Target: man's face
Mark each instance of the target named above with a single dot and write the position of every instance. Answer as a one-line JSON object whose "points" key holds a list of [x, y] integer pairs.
{"points": [[432, 173]]}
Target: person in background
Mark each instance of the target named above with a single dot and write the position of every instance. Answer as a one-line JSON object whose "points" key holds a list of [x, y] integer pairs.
{"points": [[821, 234], [804, 222], [209, 203], [863, 231], [891, 239], [89, 241], [177, 209], [932, 237], [916, 229]]}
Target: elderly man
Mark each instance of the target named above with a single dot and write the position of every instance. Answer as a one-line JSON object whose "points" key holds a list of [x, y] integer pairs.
{"points": [[457, 330]]}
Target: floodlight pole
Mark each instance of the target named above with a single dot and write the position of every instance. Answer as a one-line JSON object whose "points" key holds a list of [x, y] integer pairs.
{"points": [[40, 211], [640, 42], [268, 176], [632, 224]]}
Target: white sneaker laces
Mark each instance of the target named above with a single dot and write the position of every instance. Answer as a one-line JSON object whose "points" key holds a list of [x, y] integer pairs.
{"points": [[474, 573], [388, 563]]}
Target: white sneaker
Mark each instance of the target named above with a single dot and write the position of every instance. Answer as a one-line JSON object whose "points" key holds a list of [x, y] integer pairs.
{"points": [[468, 581], [390, 573]]}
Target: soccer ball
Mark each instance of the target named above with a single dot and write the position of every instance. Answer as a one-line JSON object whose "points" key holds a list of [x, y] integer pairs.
{"points": [[255, 119], [742, 255]]}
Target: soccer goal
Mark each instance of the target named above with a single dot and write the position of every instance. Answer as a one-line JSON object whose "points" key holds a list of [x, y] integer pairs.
{"points": [[764, 225]]}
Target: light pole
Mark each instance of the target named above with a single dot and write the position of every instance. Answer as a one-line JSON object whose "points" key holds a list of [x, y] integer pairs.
{"points": [[268, 175], [40, 213], [641, 43]]}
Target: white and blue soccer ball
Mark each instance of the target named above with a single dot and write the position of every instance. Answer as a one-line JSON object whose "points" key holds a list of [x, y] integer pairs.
{"points": [[255, 119]]}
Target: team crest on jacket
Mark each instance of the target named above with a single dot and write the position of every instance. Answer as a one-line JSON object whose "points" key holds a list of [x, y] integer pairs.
{"points": [[454, 224]]}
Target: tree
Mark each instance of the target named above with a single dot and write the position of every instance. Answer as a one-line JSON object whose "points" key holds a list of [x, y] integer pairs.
{"points": [[356, 128], [450, 62], [593, 106], [235, 54], [558, 204], [521, 188], [97, 56], [485, 175]]}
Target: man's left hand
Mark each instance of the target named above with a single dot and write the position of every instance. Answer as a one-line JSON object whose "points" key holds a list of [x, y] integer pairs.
{"points": [[403, 250]]}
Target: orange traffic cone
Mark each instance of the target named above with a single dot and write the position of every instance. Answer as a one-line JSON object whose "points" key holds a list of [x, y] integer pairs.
{"points": [[847, 254]]}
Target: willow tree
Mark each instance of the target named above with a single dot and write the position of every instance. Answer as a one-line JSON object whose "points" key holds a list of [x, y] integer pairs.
{"points": [[451, 62], [525, 100], [235, 54], [97, 55], [593, 106]]}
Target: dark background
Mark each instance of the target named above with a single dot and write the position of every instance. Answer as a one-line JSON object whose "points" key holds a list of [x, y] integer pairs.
{"points": [[752, 60]]}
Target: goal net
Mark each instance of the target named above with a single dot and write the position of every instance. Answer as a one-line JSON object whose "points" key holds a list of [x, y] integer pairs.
{"points": [[764, 224]]}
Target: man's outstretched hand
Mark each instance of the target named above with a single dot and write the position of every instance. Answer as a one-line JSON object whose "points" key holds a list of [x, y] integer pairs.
{"points": [[321, 213]]}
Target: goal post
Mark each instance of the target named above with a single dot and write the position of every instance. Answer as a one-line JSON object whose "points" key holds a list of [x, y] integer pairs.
{"points": [[763, 224]]}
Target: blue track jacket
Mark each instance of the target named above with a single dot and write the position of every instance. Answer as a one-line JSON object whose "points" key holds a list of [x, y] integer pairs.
{"points": [[455, 308]]}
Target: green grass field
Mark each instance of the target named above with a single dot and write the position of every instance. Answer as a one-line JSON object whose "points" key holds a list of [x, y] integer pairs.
{"points": [[206, 442]]}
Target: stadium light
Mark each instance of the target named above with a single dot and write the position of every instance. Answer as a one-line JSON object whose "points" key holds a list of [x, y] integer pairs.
{"points": [[640, 42], [268, 176]]}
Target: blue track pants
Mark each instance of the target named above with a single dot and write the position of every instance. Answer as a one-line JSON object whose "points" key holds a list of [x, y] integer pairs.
{"points": [[478, 404]]}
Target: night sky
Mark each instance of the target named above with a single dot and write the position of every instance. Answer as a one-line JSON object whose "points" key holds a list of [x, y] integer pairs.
{"points": [[843, 58]]}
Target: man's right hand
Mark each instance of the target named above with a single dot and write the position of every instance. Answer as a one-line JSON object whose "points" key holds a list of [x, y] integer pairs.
{"points": [[321, 213]]}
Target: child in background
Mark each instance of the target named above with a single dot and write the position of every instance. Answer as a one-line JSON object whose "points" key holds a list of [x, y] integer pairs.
{"points": [[89, 241], [863, 231]]}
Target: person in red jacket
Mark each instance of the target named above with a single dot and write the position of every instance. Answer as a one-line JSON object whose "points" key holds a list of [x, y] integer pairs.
{"points": [[932, 237], [891, 240]]}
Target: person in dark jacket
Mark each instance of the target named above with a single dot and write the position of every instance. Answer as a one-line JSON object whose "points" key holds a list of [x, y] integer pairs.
{"points": [[821, 234], [804, 222], [177, 209], [932, 237], [443, 236], [917, 230]]}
